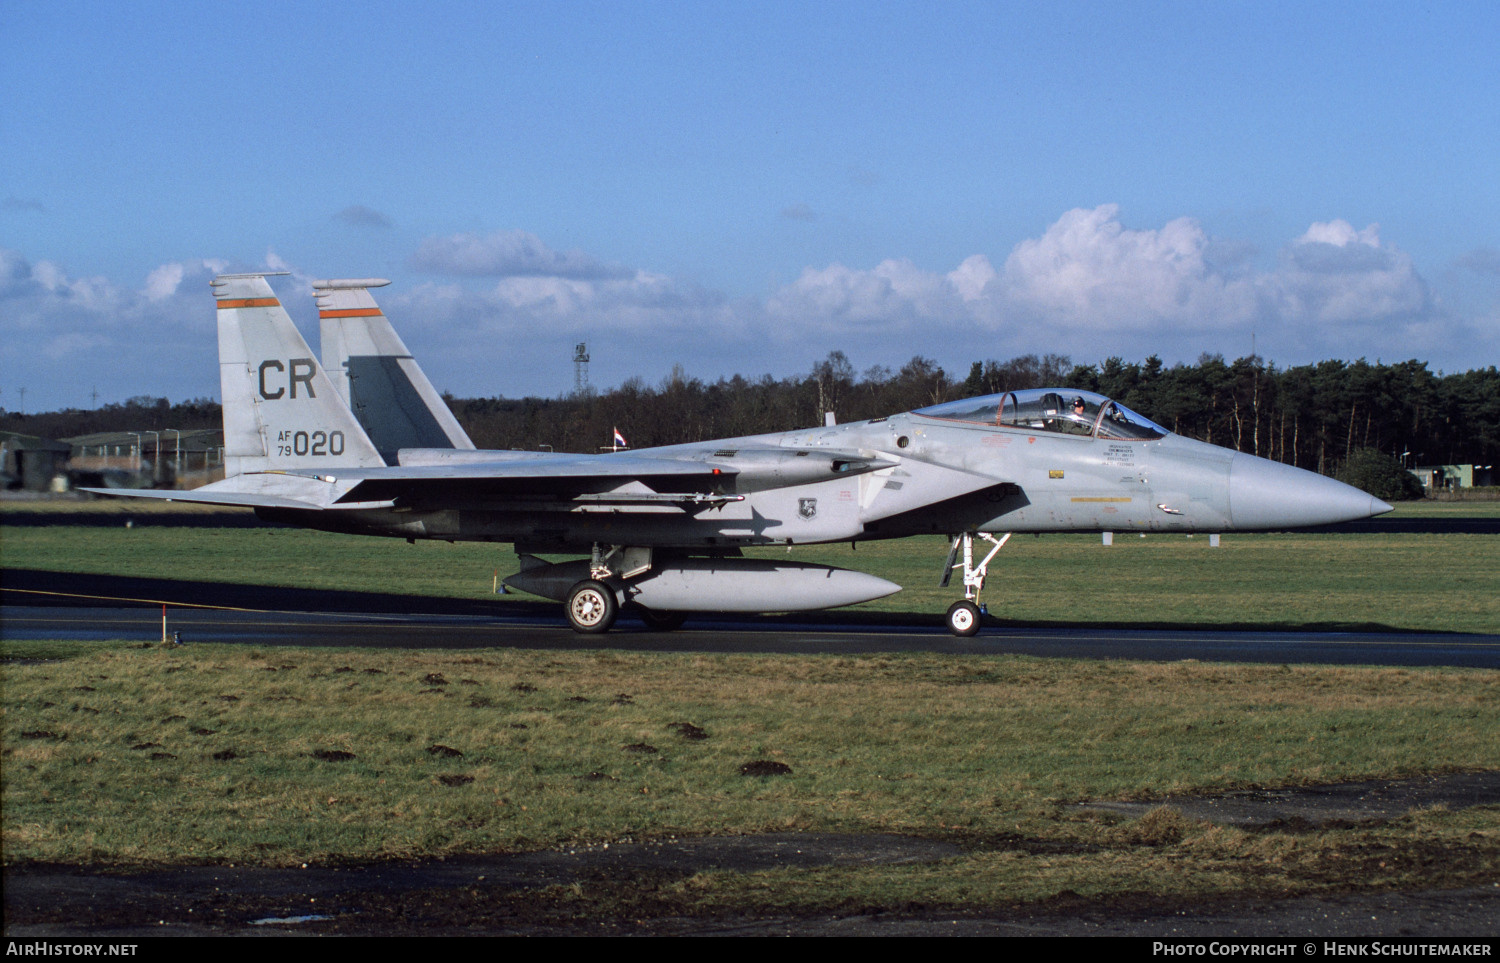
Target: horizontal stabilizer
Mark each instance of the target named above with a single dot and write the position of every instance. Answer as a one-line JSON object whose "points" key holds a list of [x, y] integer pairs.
{"points": [[202, 496]]}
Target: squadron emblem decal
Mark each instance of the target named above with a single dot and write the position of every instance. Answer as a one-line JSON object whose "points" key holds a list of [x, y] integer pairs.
{"points": [[807, 507]]}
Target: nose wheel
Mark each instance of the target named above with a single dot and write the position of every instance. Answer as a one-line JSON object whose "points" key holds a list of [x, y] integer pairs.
{"points": [[963, 618]]}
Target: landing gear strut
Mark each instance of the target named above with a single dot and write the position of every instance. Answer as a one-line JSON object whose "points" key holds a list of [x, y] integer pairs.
{"points": [[964, 616]]}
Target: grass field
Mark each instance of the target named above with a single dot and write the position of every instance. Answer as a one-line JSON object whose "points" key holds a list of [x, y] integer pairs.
{"points": [[119, 754], [226, 754]]}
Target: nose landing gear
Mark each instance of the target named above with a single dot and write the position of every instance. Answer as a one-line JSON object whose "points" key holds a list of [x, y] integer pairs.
{"points": [[964, 616]]}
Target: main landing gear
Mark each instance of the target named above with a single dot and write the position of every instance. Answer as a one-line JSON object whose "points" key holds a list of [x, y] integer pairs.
{"points": [[592, 607], [592, 604], [964, 616]]}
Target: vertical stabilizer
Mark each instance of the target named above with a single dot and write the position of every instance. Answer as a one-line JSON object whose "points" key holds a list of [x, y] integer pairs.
{"points": [[376, 374], [280, 410]]}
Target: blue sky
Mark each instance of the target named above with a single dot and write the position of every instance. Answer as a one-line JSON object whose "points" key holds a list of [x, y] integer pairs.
{"points": [[744, 188]]}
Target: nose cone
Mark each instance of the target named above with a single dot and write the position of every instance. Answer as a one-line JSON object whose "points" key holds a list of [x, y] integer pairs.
{"points": [[1269, 495]]}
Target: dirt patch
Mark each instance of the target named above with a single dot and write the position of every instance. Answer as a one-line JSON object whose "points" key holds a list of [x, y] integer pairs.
{"points": [[1323, 806], [765, 767], [506, 894], [475, 894]]}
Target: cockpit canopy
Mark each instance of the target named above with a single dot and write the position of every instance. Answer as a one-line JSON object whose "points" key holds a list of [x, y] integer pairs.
{"points": [[1067, 411]]}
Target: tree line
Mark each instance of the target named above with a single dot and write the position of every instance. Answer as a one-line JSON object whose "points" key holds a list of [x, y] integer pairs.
{"points": [[1316, 416], [1312, 416], [141, 413]]}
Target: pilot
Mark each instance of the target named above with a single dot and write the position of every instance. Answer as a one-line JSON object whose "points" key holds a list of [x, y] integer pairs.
{"points": [[1080, 423]]}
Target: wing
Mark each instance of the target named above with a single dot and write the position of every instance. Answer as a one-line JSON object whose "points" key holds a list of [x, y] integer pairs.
{"points": [[535, 481], [706, 477]]}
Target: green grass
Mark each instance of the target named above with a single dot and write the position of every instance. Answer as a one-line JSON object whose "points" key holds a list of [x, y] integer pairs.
{"points": [[1447, 583], [110, 758]]}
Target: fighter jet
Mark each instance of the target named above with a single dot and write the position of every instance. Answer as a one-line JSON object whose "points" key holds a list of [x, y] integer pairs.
{"points": [[662, 530]]}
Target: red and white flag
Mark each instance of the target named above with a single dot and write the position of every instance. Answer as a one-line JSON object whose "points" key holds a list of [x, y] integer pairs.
{"points": [[620, 441]]}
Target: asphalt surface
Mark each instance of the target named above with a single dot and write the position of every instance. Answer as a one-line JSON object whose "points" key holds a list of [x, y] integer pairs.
{"points": [[39, 605]]}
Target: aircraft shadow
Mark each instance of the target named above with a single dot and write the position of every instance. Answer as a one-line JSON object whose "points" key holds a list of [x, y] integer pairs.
{"points": [[32, 587]]}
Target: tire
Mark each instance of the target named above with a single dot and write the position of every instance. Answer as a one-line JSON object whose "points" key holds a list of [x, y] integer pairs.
{"points": [[592, 607], [963, 618], [662, 621]]}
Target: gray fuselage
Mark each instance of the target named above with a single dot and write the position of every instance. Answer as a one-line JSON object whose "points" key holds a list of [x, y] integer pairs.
{"points": [[940, 475]]}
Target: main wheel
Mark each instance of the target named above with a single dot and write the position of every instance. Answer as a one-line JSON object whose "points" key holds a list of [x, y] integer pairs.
{"points": [[592, 606], [963, 618], [662, 621]]}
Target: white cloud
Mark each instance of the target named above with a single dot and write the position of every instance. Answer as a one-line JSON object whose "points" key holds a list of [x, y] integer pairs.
{"points": [[1090, 283], [1334, 274], [162, 282], [276, 263], [165, 281], [532, 306], [63, 335], [837, 293], [972, 277], [1088, 287], [1090, 273], [895, 294], [1339, 233], [52, 285]]}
